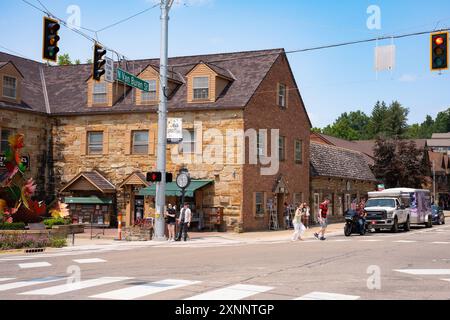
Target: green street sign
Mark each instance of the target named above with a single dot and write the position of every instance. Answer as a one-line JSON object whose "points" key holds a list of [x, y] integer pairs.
{"points": [[132, 81]]}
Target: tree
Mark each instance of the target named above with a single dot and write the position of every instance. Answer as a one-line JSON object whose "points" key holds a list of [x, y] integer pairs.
{"points": [[377, 126], [77, 61], [397, 120], [352, 126], [387, 167], [442, 123], [64, 60]]}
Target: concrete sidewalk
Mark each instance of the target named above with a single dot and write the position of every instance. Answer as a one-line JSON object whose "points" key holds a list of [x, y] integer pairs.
{"points": [[207, 237]]}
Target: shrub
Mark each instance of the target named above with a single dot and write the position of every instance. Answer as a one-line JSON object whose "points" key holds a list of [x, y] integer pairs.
{"points": [[58, 242], [12, 226], [23, 241], [49, 223]]}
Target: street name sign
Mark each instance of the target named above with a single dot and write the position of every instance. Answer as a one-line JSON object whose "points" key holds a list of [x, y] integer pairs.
{"points": [[132, 81]]}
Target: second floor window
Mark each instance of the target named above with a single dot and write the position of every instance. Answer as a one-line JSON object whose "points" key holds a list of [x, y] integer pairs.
{"points": [[95, 142], [261, 144], [151, 95], [9, 87], [201, 88], [5, 134], [298, 151], [259, 204], [282, 95], [140, 142], [188, 145], [100, 93], [282, 149]]}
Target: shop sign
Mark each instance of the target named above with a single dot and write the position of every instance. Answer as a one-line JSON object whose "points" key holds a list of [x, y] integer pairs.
{"points": [[174, 130]]}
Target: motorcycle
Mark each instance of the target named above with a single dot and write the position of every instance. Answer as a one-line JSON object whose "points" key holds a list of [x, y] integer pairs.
{"points": [[352, 225]]}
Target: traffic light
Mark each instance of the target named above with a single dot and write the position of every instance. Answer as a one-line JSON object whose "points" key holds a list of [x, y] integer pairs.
{"points": [[439, 51], [99, 62], [50, 44], [157, 177]]}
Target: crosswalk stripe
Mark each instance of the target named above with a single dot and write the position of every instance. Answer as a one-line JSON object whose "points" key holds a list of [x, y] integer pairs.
{"points": [[69, 287], [88, 261], [236, 292], [6, 279], [448, 280], [327, 296], [441, 242], [28, 283], [34, 265], [425, 272], [372, 240], [405, 241], [143, 290]]}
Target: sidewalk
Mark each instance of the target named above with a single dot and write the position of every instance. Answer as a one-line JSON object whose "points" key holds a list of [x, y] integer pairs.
{"points": [[207, 237]]}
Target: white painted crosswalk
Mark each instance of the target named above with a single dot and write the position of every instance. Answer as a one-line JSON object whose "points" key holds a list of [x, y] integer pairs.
{"points": [[236, 292], [27, 283], [6, 279], [69, 287], [34, 265], [140, 291], [89, 261], [327, 296], [425, 272]]}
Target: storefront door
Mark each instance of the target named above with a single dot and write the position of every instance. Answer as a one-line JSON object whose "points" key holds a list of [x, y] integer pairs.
{"points": [[138, 208]]}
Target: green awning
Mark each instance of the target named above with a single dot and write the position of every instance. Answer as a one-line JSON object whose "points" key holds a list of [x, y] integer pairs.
{"points": [[87, 200], [172, 190]]}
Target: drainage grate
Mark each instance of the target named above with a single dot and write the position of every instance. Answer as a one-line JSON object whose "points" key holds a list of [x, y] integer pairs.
{"points": [[35, 250]]}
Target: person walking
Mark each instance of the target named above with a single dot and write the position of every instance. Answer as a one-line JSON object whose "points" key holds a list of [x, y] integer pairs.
{"points": [[299, 228], [184, 222], [171, 221], [307, 215], [323, 220]]}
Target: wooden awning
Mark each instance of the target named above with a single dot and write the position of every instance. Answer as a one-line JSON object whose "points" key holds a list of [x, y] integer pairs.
{"points": [[137, 178], [90, 181]]}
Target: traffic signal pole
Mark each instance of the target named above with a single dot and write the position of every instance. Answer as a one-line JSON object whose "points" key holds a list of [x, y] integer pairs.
{"points": [[162, 123]]}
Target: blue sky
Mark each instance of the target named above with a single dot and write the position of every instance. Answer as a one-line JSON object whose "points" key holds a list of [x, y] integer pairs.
{"points": [[331, 81]]}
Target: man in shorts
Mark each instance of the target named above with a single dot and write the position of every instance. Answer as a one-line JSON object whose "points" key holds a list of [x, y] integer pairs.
{"points": [[323, 220]]}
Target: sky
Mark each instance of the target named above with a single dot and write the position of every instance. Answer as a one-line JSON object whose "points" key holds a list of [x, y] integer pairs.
{"points": [[331, 81]]}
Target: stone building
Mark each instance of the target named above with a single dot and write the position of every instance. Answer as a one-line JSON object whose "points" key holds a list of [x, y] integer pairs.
{"points": [[92, 143], [341, 175]]}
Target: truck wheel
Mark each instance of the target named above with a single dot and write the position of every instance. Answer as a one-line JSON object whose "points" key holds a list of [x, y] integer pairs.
{"points": [[394, 228], [407, 226], [429, 224]]}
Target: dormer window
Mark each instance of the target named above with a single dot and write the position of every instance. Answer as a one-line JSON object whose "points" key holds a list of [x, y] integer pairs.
{"points": [[9, 87], [151, 95], [100, 93], [201, 88]]}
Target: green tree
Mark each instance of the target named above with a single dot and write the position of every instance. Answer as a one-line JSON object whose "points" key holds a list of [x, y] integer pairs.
{"points": [[349, 126], [377, 125], [397, 120], [64, 60], [77, 61], [442, 123], [387, 167], [89, 61]]}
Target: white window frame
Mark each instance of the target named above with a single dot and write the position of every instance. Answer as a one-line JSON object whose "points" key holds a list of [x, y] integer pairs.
{"points": [[93, 145], [196, 87], [135, 144], [192, 142], [152, 95], [100, 90], [282, 94], [5, 86]]}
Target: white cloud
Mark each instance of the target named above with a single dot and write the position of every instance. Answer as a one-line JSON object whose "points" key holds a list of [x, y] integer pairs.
{"points": [[408, 78]]}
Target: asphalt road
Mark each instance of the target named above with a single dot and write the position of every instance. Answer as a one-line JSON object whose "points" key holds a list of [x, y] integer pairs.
{"points": [[381, 266]]}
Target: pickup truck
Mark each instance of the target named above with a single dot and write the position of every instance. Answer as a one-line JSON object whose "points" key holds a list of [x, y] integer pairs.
{"points": [[387, 213]]}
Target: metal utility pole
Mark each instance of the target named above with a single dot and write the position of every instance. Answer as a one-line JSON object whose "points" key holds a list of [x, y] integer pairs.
{"points": [[434, 183], [162, 123]]}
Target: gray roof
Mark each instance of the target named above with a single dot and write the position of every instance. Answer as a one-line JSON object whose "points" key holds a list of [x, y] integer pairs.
{"points": [[67, 89], [438, 142], [441, 136], [335, 162]]}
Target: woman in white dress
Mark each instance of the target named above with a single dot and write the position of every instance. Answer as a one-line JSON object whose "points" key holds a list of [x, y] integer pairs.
{"points": [[298, 225]]}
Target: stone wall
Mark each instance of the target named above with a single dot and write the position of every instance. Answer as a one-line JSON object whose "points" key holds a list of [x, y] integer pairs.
{"points": [[36, 128], [117, 164]]}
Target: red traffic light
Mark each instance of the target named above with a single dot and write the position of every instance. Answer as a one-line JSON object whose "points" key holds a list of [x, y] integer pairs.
{"points": [[439, 41]]}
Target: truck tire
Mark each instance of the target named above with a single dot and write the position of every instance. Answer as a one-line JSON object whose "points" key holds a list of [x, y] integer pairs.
{"points": [[394, 228], [407, 225], [429, 224]]}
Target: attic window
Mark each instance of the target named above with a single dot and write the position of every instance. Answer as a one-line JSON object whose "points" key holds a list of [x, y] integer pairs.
{"points": [[282, 95], [9, 87], [201, 88], [151, 95], [100, 93]]}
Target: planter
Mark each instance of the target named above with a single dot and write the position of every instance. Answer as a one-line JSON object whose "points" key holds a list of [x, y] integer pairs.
{"points": [[138, 233], [68, 229]]}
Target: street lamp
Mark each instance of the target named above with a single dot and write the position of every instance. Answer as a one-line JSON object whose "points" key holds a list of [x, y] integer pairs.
{"points": [[434, 182]]}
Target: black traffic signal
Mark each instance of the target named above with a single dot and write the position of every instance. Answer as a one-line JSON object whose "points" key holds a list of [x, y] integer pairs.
{"points": [[99, 62], [157, 177], [50, 44], [439, 51]]}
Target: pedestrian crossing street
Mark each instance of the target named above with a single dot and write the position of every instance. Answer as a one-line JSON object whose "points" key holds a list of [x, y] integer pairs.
{"points": [[130, 288]]}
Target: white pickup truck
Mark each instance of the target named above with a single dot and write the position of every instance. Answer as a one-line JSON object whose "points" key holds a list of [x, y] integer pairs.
{"points": [[399, 208]]}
